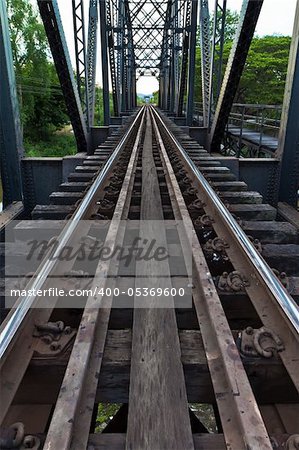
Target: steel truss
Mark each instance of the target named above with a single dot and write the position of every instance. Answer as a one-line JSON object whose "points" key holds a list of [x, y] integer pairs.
{"points": [[80, 52], [92, 57], [205, 48], [249, 16], [54, 29], [216, 56]]}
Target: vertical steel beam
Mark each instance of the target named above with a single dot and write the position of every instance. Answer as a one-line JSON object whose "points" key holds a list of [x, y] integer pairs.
{"points": [[113, 69], [217, 54], [249, 16], [52, 22], [184, 59], [10, 126], [191, 68], [175, 57], [121, 53], [104, 53], [205, 50], [288, 143], [80, 53], [92, 57]]}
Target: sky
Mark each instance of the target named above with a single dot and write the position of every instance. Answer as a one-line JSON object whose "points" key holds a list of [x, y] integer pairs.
{"points": [[277, 16]]}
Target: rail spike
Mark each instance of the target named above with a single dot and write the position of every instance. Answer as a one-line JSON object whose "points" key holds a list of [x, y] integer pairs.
{"points": [[14, 437], [232, 282], [53, 338], [283, 278], [293, 442], [260, 342]]}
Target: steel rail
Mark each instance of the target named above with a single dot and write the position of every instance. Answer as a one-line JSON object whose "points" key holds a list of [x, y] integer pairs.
{"points": [[234, 396], [281, 296], [12, 325], [82, 359]]}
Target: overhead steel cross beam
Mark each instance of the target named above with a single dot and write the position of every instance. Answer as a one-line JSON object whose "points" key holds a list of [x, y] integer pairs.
{"points": [[249, 16], [10, 126], [52, 22], [147, 27]]}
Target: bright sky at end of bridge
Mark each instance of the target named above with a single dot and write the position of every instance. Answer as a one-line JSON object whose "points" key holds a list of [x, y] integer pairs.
{"points": [[277, 16]]}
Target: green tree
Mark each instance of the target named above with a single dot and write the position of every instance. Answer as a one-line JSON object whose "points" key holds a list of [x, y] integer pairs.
{"points": [[42, 105], [263, 79], [264, 75], [231, 24]]}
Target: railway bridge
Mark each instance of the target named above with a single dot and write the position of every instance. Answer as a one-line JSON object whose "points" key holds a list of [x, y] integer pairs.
{"points": [[154, 275]]}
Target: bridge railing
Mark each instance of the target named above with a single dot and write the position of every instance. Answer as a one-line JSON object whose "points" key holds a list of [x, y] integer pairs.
{"points": [[261, 119]]}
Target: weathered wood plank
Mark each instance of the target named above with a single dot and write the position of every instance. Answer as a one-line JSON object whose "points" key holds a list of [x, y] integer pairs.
{"points": [[158, 411], [254, 212], [271, 232], [284, 258], [242, 197], [65, 198], [201, 441], [288, 213], [76, 399], [52, 212], [268, 377], [10, 213]]}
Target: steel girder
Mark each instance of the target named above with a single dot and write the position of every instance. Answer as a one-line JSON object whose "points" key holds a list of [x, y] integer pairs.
{"points": [[165, 69], [217, 55], [145, 38], [249, 16], [184, 58], [288, 143], [117, 42], [52, 22], [11, 142], [148, 18], [104, 54], [92, 57], [130, 62], [121, 54], [205, 49], [191, 63], [80, 53], [174, 62], [113, 68]]}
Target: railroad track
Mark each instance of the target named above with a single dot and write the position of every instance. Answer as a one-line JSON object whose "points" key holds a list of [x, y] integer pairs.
{"points": [[235, 347]]}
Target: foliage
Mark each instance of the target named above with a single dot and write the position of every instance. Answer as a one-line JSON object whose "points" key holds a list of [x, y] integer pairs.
{"points": [[205, 414], [263, 78], [231, 24], [99, 110], [106, 411], [52, 144], [40, 96], [155, 98]]}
